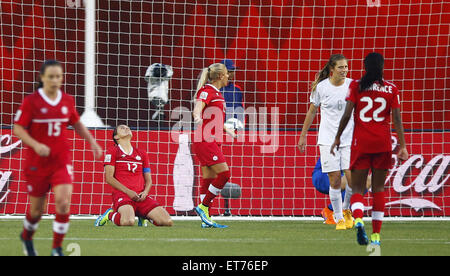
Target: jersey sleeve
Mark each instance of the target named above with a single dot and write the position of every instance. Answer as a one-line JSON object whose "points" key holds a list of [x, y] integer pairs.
{"points": [[315, 98], [145, 163], [110, 157], [24, 113], [204, 96], [396, 98], [74, 116], [352, 91]]}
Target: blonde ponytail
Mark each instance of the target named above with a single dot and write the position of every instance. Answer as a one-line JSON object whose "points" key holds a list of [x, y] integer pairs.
{"points": [[210, 73]]}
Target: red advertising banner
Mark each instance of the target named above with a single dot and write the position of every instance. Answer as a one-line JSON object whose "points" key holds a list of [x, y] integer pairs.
{"points": [[274, 176]]}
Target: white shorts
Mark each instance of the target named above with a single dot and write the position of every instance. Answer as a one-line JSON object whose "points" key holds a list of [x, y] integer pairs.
{"points": [[340, 160]]}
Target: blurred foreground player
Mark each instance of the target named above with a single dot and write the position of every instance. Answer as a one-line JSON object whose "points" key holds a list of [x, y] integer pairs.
{"points": [[127, 170], [373, 99], [41, 123]]}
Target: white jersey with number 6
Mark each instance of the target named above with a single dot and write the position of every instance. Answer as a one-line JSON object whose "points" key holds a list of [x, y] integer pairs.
{"points": [[331, 100]]}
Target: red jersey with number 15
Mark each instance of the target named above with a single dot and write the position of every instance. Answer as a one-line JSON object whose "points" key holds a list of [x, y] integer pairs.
{"points": [[128, 167], [46, 120], [372, 114]]}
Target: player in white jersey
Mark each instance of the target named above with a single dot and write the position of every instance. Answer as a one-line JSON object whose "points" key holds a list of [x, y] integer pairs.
{"points": [[328, 92]]}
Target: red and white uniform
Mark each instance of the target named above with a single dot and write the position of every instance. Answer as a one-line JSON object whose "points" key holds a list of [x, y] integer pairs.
{"points": [[208, 149], [46, 121], [129, 170], [371, 144]]}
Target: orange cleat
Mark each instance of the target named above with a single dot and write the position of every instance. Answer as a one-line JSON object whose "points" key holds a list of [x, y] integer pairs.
{"points": [[327, 215]]}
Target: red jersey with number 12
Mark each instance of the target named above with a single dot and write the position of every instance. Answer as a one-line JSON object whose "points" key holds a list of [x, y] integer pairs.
{"points": [[46, 120], [372, 113], [128, 167]]}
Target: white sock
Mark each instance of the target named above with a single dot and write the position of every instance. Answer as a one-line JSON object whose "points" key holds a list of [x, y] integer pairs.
{"points": [[336, 202], [348, 195]]}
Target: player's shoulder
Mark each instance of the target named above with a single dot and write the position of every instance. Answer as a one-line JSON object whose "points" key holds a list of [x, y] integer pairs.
{"points": [[390, 83], [348, 81], [67, 97], [31, 97], [139, 151], [112, 149], [323, 84]]}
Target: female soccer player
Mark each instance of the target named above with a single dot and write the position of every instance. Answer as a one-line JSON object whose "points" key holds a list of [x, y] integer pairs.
{"points": [[41, 124], [372, 99], [127, 170], [328, 91], [209, 111]]}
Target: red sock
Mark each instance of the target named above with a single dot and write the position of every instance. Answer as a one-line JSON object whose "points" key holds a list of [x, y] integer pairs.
{"points": [[357, 205], [215, 187], [60, 228], [377, 211], [114, 217], [204, 187], [29, 227]]}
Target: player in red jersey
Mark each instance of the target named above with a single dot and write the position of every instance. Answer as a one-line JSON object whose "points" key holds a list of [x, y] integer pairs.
{"points": [[41, 123], [372, 99], [127, 170], [209, 111]]}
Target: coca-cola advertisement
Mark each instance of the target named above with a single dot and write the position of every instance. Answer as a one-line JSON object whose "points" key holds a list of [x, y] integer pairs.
{"points": [[273, 183]]}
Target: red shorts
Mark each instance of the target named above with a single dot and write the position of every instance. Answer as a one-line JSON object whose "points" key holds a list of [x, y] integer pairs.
{"points": [[40, 180], [208, 153], [362, 161], [141, 209]]}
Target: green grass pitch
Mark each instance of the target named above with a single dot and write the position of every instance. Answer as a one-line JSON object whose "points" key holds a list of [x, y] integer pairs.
{"points": [[242, 238]]}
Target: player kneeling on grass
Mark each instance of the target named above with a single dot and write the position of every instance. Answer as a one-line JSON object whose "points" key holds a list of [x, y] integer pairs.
{"points": [[127, 170]]}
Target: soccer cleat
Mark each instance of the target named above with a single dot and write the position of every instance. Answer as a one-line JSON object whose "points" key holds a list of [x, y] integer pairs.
{"points": [[349, 221], [203, 212], [204, 225], [215, 225], [327, 215], [57, 252], [142, 222], [340, 225], [102, 219], [375, 239], [28, 247], [361, 236]]}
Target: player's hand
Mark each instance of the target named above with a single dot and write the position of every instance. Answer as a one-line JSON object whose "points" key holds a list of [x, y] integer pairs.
{"points": [[198, 120], [403, 154], [142, 196], [302, 144], [133, 195], [230, 132], [42, 150], [336, 144], [98, 151]]}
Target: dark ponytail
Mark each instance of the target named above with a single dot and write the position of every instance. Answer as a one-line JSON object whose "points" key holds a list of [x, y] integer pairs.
{"points": [[326, 71], [44, 66], [373, 64]]}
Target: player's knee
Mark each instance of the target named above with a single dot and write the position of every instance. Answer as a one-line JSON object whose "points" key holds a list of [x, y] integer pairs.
{"points": [[168, 222], [62, 205], [127, 221]]}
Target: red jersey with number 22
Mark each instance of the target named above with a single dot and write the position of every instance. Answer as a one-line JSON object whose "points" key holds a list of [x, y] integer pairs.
{"points": [[46, 121], [372, 113]]}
